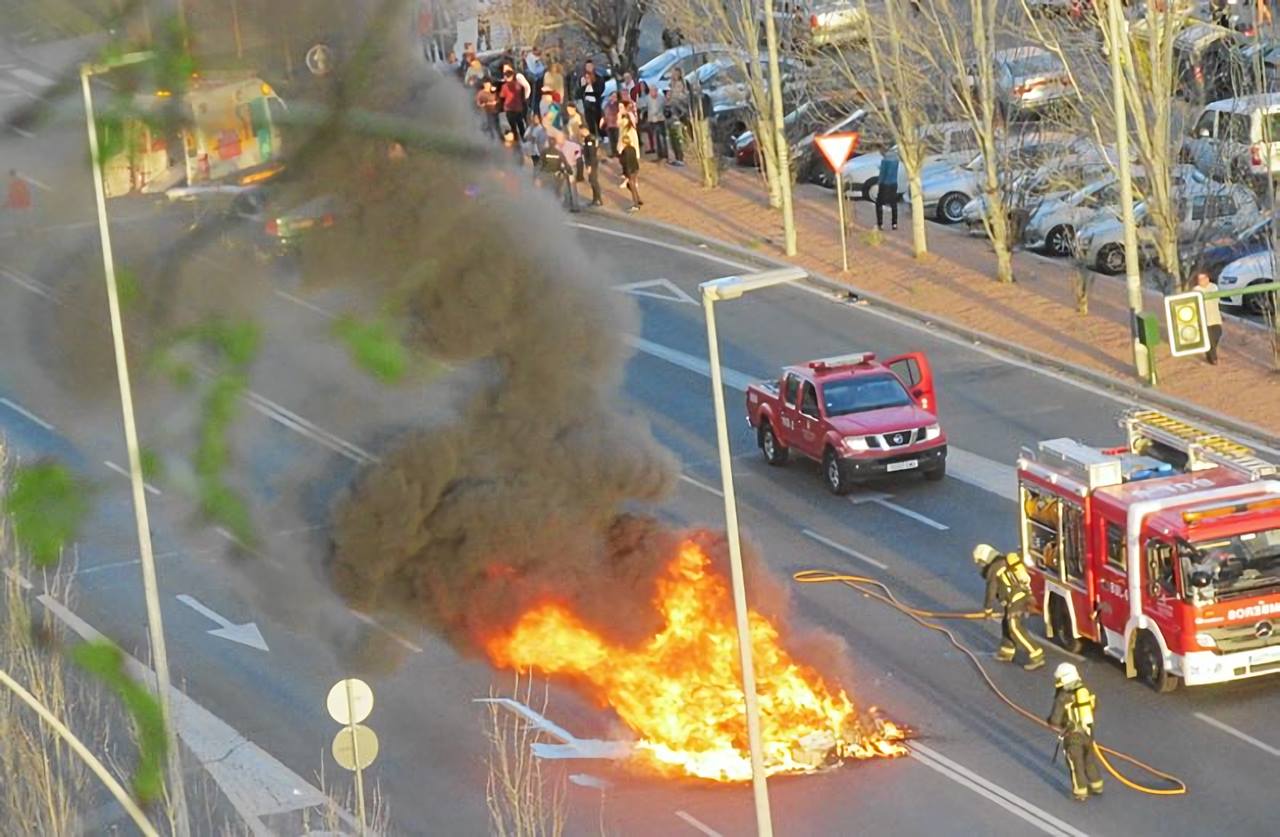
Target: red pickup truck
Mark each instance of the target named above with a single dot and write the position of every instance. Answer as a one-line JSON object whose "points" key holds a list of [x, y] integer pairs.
{"points": [[859, 417]]}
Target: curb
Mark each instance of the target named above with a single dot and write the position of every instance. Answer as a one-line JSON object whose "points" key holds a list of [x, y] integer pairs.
{"points": [[1252, 432]]}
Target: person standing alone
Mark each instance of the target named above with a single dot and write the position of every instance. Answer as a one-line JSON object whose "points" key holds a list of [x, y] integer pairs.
{"points": [[887, 189], [512, 94], [1212, 316]]}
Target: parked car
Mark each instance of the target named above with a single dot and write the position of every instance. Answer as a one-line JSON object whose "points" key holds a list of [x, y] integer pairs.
{"points": [[1213, 255], [686, 57], [1236, 137], [1054, 181], [1027, 79], [1052, 227], [800, 126], [1255, 269], [833, 22], [946, 143], [861, 418], [1071, 9], [1209, 63], [1204, 210], [811, 166], [946, 191], [724, 81]]}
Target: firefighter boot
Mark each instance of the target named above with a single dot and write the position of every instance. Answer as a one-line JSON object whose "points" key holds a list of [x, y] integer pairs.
{"points": [[1095, 788], [1005, 652], [1036, 661]]}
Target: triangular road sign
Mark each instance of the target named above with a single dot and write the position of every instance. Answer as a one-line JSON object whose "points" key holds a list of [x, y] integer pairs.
{"points": [[663, 289], [837, 148]]}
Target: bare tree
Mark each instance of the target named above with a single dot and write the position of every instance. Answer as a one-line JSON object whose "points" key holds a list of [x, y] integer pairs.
{"points": [[963, 36], [612, 26]]}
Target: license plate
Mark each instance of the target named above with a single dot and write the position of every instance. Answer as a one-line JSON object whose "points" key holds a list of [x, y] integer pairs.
{"points": [[1268, 656], [903, 466]]}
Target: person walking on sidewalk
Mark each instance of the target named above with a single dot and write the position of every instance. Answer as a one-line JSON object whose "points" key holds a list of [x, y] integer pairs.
{"points": [[629, 152], [887, 189], [1212, 316], [591, 162]]}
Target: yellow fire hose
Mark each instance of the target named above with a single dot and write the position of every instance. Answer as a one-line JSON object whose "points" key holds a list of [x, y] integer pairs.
{"points": [[881, 593]]}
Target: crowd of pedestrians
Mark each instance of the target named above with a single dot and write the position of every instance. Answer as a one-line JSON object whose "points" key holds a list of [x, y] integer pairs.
{"points": [[562, 123]]}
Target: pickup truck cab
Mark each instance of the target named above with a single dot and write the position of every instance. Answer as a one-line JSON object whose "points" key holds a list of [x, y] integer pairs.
{"points": [[861, 418]]}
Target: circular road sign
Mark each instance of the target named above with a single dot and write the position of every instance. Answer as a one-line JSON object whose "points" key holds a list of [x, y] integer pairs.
{"points": [[350, 701], [351, 741], [320, 59]]}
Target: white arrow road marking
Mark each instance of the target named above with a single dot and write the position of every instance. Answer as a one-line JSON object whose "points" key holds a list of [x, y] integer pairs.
{"points": [[573, 747], [670, 291], [246, 634]]}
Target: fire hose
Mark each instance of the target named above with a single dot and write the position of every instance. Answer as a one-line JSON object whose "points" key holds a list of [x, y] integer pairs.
{"points": [[879, 591]]}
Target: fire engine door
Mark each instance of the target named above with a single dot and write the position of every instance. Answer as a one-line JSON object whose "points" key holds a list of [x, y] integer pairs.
{"points": [[1160, 586], [1113, 579]]}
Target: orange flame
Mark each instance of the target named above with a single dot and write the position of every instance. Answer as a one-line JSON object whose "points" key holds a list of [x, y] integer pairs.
{"points": [[680, 690]]}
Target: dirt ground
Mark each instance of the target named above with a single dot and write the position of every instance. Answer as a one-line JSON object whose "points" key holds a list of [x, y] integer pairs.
{"points": [[955, 283]]}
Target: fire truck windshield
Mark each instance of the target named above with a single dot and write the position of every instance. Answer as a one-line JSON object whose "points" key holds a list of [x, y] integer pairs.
{"points": [[1232, 566], [862, 393]]}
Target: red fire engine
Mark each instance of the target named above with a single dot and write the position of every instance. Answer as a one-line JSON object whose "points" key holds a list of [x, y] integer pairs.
{"points": [[1165, 552]]}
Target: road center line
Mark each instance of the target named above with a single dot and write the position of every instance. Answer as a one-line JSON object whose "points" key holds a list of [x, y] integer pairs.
{"points": [[26, 282], [701, 484], [841, 548], [914, 515], [151, 489], [698, 824], [376, 625], [25, 413], [1246, 738], [1006, 799], [310, 306]]}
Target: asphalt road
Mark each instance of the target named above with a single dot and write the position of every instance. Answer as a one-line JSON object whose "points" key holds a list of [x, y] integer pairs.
{"points": [[314, 419]]}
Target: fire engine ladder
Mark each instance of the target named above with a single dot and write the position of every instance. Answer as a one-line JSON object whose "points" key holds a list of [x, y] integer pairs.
{"points": [[1202, 448]]}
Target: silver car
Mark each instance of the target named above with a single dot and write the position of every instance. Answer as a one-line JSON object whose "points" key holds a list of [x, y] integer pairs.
{"points": [[1204, 209], [1027, 79], [945, 143]]}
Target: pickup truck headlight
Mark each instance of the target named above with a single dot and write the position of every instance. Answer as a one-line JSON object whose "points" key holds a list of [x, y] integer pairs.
{"points": [[1205, 640], [857, 444], [933, 431]]}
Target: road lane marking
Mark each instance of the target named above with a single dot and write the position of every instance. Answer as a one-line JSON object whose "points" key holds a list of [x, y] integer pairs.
{"points": [[246, 633], [663, 289], [698, 824], [312, 431], [571, 747], [653, 242], [310, 306], [18, 579], [395, 637], [31, 77], [254, 782], [702, 485], [1006, 799], [151, 489], [914, 515], [967, 467], [852, 553], [1245, 737], [27, 283], [25, 413]]}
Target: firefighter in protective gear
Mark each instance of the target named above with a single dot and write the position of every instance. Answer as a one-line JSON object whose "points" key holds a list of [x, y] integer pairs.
{"points": [[1072, 715], [1008, 583]]}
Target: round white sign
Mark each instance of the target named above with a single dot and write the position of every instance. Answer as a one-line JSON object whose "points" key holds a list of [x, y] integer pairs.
{"points": [[350, 701]]}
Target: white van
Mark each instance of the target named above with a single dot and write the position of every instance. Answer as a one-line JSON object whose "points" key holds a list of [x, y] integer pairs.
{"points": [[1236, 137]]}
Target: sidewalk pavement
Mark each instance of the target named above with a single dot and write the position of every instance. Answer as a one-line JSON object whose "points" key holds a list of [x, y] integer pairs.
{"points": [[953, 287]]}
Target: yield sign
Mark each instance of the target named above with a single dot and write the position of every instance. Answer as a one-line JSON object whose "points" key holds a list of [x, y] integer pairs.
{"points": [[837, 148]]}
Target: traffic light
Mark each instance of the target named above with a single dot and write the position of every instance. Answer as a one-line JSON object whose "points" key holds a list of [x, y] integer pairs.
{"points": [[1185, 316]]}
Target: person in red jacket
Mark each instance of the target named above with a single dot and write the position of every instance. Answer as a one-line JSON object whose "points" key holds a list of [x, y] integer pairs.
{"points": [[513, 99]]}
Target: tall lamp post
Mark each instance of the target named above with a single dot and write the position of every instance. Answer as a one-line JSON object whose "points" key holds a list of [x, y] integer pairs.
{"points": [[718, 290], [151, 592]]}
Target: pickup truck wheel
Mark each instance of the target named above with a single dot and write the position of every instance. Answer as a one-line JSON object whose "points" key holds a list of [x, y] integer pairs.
{"points": [[1060, 619], [1149, 663], [833, 472], [937, 474], [774, 452]]}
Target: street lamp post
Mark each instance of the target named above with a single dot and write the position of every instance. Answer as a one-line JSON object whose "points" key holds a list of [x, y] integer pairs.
{"points": [[717, 290], [151, 592]]}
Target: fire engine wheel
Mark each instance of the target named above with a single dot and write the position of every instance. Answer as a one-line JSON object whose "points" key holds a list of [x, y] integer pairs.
{"points": [[1060, 620], [1149, 663], [833, 472], [774, 452]]}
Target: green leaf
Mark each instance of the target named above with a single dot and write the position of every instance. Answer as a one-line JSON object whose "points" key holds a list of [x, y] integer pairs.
{"points": [[105, 661], [374, 347], [46, 505]]}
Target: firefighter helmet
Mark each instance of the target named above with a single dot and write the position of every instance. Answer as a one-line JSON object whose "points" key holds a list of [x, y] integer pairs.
{"points": [[1066, 674], [984, 554]]}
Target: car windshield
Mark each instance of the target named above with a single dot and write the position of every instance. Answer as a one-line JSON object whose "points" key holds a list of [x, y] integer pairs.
{"points": [[1035, 65], [658, 64], [862, 393], [1234, 566]]}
